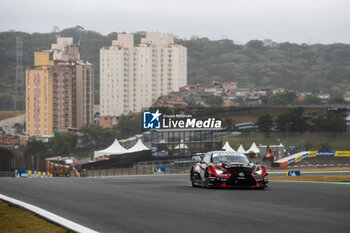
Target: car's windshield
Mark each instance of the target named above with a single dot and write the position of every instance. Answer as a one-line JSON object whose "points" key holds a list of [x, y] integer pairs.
{"points": [[229, 159]]}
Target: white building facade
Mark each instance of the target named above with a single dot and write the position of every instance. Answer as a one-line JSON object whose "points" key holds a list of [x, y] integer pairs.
{"points": [[133, 77]]}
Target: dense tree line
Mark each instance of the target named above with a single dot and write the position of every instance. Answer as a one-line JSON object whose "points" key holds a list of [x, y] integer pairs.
{"points": [[296, 120], [255, 64]]}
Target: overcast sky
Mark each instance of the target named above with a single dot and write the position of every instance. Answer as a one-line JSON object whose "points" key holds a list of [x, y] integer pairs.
{"points": [[299, 21]]}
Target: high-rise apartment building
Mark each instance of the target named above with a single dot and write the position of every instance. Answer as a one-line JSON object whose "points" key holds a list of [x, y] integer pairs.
{"points": [[59, 90], [133, 77]]}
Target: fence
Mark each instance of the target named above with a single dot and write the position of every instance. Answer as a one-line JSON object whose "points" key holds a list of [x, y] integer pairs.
{"points": [[139, 169], [7, 174], [142, 168]]}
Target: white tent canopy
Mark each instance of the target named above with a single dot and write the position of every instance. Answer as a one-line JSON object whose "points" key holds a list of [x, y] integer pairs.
{"points": [[139, 146], [228, 148], [181, 146], [114, 149], [254, 148], [241, 149]]}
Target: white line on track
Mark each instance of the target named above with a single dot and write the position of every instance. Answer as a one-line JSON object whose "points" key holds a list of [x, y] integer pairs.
{"points": [[48, 215]]}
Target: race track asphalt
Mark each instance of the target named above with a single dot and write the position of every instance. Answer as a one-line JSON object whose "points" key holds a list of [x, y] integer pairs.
{"points": [[167, 203]]}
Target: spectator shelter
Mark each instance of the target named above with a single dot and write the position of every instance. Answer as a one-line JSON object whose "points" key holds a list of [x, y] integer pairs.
{"points": [[117, 149], [228, 148]]}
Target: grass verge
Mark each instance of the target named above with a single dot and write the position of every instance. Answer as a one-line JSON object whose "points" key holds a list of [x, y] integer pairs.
{"points": [[17, 220], [313, 178]]}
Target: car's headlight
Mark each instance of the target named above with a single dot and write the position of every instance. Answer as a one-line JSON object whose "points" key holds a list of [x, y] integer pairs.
{"points": [[258, 171], [219, 172]]}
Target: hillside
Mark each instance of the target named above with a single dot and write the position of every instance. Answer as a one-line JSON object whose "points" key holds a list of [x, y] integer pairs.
{"points": [[255, 64]]}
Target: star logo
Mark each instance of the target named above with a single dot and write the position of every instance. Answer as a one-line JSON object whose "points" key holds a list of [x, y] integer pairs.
{"points": [[156, 115], [152, 120]]}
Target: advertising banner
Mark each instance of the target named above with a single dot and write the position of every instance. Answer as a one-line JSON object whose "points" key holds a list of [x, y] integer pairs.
{"points": [[159, 170], [293, 173], [21, 173], [31, 174], [325, 153]]}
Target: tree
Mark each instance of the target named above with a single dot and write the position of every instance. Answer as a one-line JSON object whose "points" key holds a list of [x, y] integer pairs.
{"points": [[129, 125], [293, 121], [310, 99], [229, 124], [255, 44], [265, 123], [36, 148], [287, 65], [214, 101], [100, 136], [191, 103], [331, 121], [337, 100], [285, 98], [63, 144]]}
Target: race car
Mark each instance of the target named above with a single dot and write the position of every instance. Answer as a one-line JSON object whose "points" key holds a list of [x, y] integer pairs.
{"points": [[228, 169]]}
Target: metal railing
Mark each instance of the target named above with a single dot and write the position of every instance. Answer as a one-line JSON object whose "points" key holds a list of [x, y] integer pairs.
{"points": [[7, 174], [147, 169]]}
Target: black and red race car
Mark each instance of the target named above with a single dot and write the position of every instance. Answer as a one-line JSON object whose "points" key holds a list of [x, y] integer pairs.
{"points": [[228, 169]]}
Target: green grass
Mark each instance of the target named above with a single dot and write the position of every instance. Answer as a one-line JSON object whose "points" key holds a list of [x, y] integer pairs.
{"points": [[307, 141], [17, 220], [80, 157]]}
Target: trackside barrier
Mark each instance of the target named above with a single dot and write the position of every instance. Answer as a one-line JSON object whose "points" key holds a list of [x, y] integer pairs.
{"points": [[31, 174], [296, 158], [293, 173], [159, 170]]}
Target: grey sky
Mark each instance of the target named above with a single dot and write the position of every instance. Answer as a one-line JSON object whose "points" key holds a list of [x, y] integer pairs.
{"points": [[300, 21]]}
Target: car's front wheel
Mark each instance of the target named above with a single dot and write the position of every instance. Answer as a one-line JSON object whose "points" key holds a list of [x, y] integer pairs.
{"points": [[206, 180], [192, 178]]}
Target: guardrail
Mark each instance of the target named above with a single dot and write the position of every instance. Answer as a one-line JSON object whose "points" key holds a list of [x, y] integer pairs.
{"points": [[6, 174], [137, 170], [31, 174], [296, 158]]}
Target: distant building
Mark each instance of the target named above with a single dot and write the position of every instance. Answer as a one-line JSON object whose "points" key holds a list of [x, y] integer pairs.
{"points": [[133, 77], [346, 96], [198, 94], [302, 95], [324, 97], [226, 86], [172, 101], [278, 90], [59, 90]]}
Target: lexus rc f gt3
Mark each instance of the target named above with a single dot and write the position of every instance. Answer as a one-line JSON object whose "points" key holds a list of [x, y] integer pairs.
{"points": [[228, 169]]}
